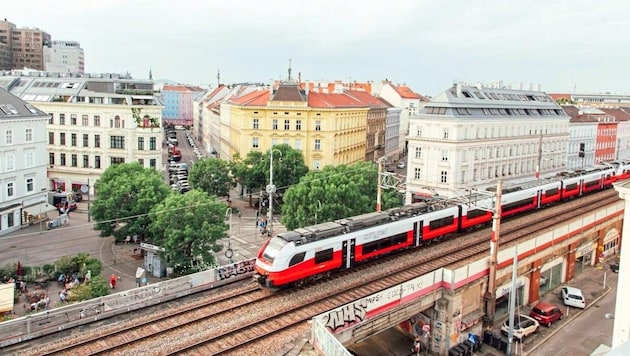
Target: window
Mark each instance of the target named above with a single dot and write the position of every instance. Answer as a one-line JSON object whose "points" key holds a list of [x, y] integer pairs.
{"points": [[318, 125], [10, 191], [8, 137], [73, 139], [298, 144], [10, 220], [97, 120], [73, 119], [51, 119], [443, 176], [62, 119], [51, 138], [51, 158], [141, 143], [274, 142], [29, 135], [152, 143], [117, 142], [62, 158], [152, 163], [86, 161], [275, 124], [318, 144], [417, 173], [141, 161], [86, 140], [298, 125], [117, 160], [85, 120], [444, 155], [254, 142], [255, 124], [97, 141], [297, 258], [29, 158], [445, 133], [323, 256], [10, 162], [316, 164], [418, 152], [74, 160], [97, 161], [116, 122], [286, 125], [62, 138], [30, 185]]}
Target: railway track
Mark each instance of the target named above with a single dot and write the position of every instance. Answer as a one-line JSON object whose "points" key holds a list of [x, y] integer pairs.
{"points": [[224, 328]]}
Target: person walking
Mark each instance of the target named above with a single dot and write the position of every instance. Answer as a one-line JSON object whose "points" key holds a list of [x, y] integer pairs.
{"points": [[112, 281]]}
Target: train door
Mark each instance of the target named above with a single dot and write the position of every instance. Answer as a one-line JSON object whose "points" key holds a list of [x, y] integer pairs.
{"points": [[347, 255], [417, 233]]}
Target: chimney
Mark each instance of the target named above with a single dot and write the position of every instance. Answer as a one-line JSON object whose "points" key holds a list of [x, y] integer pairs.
{"points": [[520, 86], [458, 89], [537, 87]]}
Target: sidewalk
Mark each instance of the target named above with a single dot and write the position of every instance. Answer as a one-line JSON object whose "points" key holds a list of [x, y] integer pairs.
{"points": [[591, 283]]}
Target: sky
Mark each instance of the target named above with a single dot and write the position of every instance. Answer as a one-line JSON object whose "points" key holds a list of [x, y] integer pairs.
{"points": [[563, 46]]}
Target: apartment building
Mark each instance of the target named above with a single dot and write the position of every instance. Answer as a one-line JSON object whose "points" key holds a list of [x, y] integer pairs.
{"points": [[64, 57], [471, 136], [178, 104], [94, 121], [25, 46], [23, 147]]}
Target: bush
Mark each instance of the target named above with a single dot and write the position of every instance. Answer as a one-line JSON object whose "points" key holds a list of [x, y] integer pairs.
{"points": [[96, 287], [79, 264]]}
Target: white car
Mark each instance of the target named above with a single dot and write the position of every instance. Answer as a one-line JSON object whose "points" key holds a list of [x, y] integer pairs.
{"points": [[572, 297], [523, 326]]}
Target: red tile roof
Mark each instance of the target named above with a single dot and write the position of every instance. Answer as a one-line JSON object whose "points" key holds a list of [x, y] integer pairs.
{"points": [[181, 88], [406, 93], [255, 98], [288, 92], [619, 114], [366, 98], [321, 100], [557, 97]]}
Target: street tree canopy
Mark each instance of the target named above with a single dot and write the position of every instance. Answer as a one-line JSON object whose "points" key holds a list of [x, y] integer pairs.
{"points": [[125, 194], [212, 176], [335, 193], [188, 227]]}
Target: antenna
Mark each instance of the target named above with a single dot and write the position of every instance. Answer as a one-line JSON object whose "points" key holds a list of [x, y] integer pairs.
{"points": [[218, 78], [289, 69]]}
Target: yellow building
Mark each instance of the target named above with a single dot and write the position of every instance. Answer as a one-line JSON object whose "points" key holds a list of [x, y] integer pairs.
{"points": [[330, 129]]}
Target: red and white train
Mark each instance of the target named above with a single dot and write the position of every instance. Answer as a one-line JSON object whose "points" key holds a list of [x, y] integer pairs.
{"points": [[302, 255]]}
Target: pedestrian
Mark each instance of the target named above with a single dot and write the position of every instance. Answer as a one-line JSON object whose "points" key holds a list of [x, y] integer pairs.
{"points": [[415, 349], [112, 281]]}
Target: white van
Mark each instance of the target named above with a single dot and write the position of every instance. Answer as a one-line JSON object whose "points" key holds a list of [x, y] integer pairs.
{"points": [[572, 297]]}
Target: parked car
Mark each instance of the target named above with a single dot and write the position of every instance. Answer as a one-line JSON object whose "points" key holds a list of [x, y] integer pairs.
{"points": [[401, 165], [572, 297], [614, 267], [546, 313], [523, 326]]}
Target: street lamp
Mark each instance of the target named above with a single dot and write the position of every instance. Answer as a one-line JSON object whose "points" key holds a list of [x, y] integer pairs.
{"points": [[229, 253], [271, 189]]}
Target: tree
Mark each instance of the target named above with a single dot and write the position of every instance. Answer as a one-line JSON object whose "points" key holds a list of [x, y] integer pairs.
{"points": [[188, 227], [125, 194], [334, 193], [212, 176]]}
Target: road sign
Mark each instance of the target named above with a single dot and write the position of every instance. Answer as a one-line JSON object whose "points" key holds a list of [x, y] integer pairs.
{"points": [[84, 188]]}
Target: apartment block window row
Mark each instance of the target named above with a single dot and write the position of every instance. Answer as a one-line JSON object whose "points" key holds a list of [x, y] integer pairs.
{"points": [[117, 142]]}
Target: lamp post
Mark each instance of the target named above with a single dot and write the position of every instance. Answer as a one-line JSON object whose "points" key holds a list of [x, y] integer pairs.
{"points": [[271, 189], [229, 253]]}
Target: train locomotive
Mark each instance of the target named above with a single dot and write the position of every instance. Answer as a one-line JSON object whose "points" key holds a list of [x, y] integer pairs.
{"points": [[306, 254]]}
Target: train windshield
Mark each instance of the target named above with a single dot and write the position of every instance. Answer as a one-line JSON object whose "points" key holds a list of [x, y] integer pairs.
{"points": [[273, 248]]}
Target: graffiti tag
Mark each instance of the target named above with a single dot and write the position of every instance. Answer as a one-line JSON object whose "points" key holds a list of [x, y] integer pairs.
{"points": [[347, 315], [235, 269]]}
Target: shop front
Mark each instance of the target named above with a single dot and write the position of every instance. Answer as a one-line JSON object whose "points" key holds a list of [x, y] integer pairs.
{"points": [[551, 275], [584, 256], [611, 243], [502, 303]]}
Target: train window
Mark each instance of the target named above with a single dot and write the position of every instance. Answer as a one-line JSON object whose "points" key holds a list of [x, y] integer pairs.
{"points": [[593, 183], [437, 223], [297, 258], [323, 256], [475, 213], [275, 245], [517, 204], [376, 245], [553, 191], [398, 239], [571, 186]]}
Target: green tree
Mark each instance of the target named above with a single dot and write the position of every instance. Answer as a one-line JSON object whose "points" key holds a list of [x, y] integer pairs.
{"points": [[188, 227], [245, 172], [96, 287], [80, 264], [125, 194], [334, 193], [212, 176]]}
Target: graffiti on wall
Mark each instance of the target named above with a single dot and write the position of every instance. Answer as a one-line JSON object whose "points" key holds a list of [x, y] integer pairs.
{"points": [[347, 315], [235, 269]]}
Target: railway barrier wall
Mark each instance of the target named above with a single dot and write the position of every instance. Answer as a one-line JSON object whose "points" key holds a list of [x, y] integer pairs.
{"points": [[456, 312], [69, 316]]}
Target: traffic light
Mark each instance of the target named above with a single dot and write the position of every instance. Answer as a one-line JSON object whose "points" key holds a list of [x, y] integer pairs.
{"points": [[582, 149]]}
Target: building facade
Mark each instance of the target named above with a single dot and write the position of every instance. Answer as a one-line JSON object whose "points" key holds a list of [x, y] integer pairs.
{"points": [[27, 47], [582, 139], [376, 120], [94, 123], [178, 104], [23, 151], [392, 129], [64, 57], [472, 136]]}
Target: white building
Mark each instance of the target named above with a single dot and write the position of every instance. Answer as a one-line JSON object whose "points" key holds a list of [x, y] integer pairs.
{"points": [[95, 121], [582, 139], [392, 129], [23, 146], [64, 57], [472, 136], [207, 120]]}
